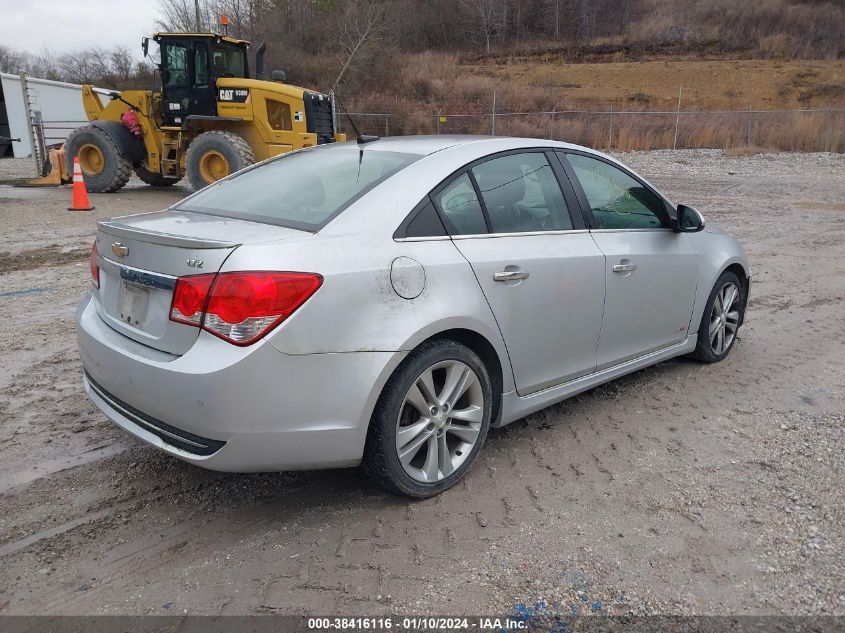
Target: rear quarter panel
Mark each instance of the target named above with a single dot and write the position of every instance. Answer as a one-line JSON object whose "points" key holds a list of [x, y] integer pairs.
{"points": [[357, 309]]}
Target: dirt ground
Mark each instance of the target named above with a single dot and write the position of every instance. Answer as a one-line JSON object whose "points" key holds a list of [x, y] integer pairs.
{"points": [[683, 488]]}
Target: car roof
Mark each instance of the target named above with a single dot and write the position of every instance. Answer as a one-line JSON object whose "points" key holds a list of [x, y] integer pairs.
{"points": [[424, 145], [439, 158]]}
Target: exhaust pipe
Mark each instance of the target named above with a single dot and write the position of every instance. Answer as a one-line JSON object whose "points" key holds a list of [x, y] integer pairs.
{"points": [[259, 60]]}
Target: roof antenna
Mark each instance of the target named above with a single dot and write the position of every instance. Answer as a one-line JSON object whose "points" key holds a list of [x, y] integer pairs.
{"points": [[362, 138]]}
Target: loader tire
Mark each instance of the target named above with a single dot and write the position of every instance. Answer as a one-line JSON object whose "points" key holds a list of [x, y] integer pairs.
{"points": [[214, 155], [104, 168], [154, 179]]}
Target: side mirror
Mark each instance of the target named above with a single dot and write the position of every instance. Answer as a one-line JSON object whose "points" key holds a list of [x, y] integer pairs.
{"points": [[145, 45], [278, 75], [688, 220]]}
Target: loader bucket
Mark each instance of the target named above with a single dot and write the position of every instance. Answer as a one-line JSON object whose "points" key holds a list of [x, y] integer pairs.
{"points": [[55, 172]]}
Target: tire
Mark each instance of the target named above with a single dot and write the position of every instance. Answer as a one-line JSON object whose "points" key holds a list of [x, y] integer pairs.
{"points": [[433, 435], [214, 155], [712, 348], [154, 179], [104, 168]]}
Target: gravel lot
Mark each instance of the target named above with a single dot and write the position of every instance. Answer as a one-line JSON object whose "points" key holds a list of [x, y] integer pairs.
{"points": [[680, 489]]}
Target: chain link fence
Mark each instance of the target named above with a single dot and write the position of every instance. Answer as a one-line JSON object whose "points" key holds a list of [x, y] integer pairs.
{"points": [[821, 129]]}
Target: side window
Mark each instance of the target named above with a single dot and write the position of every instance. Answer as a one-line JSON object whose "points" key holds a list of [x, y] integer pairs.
{"points": [[278, 115], [228, 59], [617, 200], [176, 65], [461, 208], [426, 223], [200, 65], [521, 193]]}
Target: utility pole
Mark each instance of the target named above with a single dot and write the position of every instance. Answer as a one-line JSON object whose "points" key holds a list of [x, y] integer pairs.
{"points": [[678, 117], [750, 123], [493, 124], [197, 9]]}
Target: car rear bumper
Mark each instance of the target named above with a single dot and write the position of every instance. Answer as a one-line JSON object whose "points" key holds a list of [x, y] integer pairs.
{"points": [[241, 409]]}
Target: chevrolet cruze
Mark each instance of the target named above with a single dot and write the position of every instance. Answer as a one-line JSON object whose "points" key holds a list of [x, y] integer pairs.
{"points": [[385, 303]]}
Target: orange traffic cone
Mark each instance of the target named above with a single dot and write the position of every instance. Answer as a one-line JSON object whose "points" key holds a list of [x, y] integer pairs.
{"points": [[80, 200]]}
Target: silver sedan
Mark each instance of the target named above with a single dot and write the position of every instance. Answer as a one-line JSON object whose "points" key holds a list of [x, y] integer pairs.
{"points": [[386, 303]]}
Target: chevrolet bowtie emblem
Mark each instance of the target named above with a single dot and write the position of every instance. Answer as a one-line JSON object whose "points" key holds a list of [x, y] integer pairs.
{"points": [[119, 249]]}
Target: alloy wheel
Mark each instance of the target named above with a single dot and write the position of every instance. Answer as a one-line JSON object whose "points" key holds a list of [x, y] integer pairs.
{"points": [[439, 421], [724, 318]]}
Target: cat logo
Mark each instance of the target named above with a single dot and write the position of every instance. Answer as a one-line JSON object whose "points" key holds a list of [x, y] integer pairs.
{"points": [[235, 95]]}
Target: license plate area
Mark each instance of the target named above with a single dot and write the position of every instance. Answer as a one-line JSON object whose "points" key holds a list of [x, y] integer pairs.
{"points": [[133, 303]]}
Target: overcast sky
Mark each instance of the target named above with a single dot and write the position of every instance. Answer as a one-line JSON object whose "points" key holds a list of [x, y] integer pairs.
{"points": [[63, 25]]}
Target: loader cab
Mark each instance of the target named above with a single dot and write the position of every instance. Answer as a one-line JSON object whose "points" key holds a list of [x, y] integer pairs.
{"points": [[190, 65]]}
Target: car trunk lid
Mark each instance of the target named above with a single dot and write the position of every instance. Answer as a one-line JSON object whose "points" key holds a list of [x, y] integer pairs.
{"points": [[141, 256]]}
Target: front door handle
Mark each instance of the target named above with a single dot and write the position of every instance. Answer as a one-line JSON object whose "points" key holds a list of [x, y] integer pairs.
{"points": [[624, 268], [510, 275]]}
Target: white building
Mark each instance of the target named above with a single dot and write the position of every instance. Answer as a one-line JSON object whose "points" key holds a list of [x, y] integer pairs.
{"points": [[58, 104]]}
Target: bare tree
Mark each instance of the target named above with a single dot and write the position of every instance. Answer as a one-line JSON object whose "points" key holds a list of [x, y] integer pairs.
{"points": [[181, 15], [45, 65], [624, 15], [586, 17], [486, 14], [246, 16], [121, 62], [12, 61], [361, 23], [554, 8]]}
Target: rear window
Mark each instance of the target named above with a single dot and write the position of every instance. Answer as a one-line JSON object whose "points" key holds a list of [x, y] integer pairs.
{"points": [[302, 190]]}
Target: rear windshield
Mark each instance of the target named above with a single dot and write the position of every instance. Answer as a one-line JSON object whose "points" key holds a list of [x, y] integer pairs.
{"points": [[302, 190]]}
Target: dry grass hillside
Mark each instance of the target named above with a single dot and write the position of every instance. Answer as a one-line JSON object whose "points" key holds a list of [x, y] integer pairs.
{"points": [[707, 84], [432, 83]]}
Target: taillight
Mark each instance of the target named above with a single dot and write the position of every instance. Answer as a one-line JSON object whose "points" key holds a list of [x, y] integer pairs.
{"points": [[189, 298], [240, 307], [95, 268]]}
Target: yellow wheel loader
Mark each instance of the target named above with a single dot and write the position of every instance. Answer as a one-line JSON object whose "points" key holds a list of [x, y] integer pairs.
{"points": [[209, 119]]}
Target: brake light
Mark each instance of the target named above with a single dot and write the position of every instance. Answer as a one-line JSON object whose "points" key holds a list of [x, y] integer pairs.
{"points": [[240, 307], [189, 299], [95, 268]]}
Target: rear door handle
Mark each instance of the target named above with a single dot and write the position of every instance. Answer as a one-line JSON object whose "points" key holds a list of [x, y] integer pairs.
{"points": [[510, 275], [624, 268]]}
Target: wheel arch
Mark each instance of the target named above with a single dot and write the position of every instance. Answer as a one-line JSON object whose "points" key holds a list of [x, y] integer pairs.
{"points": [[128, 145], [738, 269], [489, 356], [494, 358]]}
